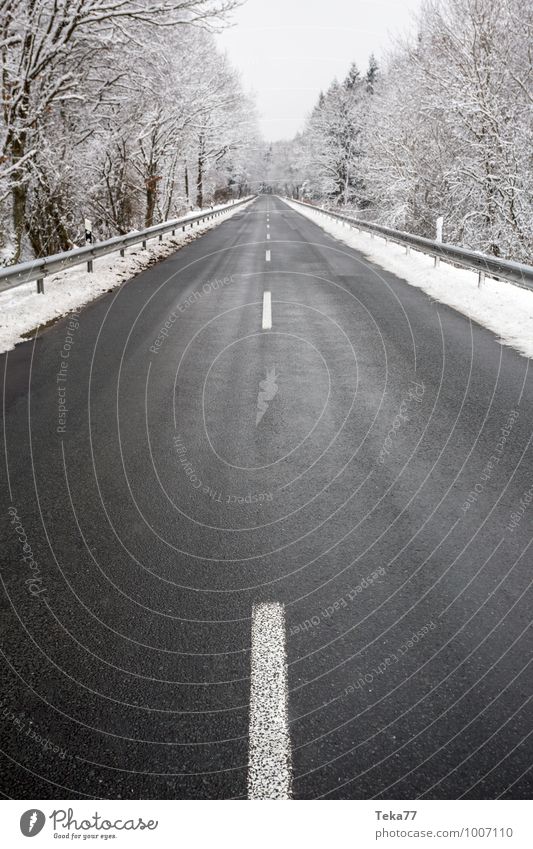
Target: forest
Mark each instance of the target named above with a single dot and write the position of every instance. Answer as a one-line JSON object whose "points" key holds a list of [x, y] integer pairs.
{"points": [[120, 111], [442, 126], [125, 112]]}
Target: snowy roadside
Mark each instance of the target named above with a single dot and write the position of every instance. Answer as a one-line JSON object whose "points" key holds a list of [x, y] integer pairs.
{"points": [[22, 310], [505, 309]]}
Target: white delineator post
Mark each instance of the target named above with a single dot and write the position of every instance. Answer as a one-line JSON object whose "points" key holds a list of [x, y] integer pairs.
{"points": [[89, 240]]}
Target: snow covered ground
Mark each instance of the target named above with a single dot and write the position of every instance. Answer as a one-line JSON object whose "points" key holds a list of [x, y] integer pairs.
{"points": [[504, 308], [22, 310]]}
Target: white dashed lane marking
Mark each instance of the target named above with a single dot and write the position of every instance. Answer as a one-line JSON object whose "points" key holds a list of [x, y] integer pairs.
{"points": [[268, 235], [269, 763], [267, 256], [267, 311]]}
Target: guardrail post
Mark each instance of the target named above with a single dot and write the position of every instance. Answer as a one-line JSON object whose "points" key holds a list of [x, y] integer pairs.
{"points": [[160, 237], [480, 279], [407, 250], [90, 267], [40, 286], [437, 262], [144, 244]]}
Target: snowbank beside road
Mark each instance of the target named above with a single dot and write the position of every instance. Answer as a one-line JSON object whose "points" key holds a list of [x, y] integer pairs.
{"points": [[22, 310], [505, 309]]}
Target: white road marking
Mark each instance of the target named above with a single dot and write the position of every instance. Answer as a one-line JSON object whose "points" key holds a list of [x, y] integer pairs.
{"points": [[268, 235], [268, 226], [267, 256], [267, 311], [269, 762]]}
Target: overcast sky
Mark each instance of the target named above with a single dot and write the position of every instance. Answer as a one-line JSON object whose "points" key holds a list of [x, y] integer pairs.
{"points": [[288, 50]]}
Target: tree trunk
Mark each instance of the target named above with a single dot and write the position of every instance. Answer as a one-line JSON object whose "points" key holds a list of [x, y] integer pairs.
{"points": [[16, 143], [19, 196], [200, 176], [151, 200], [200, 183], [46, 229]]}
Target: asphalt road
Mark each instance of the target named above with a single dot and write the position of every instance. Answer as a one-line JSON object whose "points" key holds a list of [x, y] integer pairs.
{"points": [[351, 487]]}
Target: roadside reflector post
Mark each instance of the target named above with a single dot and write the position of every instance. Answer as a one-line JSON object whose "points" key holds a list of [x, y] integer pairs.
{"points": [[122, 252], [144, 244], [40, 286], [480, 279], [90, 268], [88, 231]]}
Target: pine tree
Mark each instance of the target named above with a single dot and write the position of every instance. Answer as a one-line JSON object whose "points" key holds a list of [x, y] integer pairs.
{"points": [[353, 78], [371, 74]]}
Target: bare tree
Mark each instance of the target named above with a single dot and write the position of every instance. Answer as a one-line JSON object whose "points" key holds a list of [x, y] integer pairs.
{"points": [[45, 46]]}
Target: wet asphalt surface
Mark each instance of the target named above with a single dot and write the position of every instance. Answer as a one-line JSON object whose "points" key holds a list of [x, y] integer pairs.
{"points": [[364, 463]]}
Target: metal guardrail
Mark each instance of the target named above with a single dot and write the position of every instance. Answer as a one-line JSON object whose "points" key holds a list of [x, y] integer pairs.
{"points": [[38, 269], [484, 265]]}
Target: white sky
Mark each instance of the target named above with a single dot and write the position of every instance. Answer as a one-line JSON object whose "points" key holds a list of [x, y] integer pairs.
{"points": [[288, 50]]}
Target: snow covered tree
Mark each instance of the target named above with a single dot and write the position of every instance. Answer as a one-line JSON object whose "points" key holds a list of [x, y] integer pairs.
{"points": [[372, 74], [445, 127], [451, 127], [47, 49], [334, 138], [476, 74]]}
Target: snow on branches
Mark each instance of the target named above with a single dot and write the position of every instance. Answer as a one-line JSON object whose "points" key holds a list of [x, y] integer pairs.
{"points": [[103, 112], [445, 128]]}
